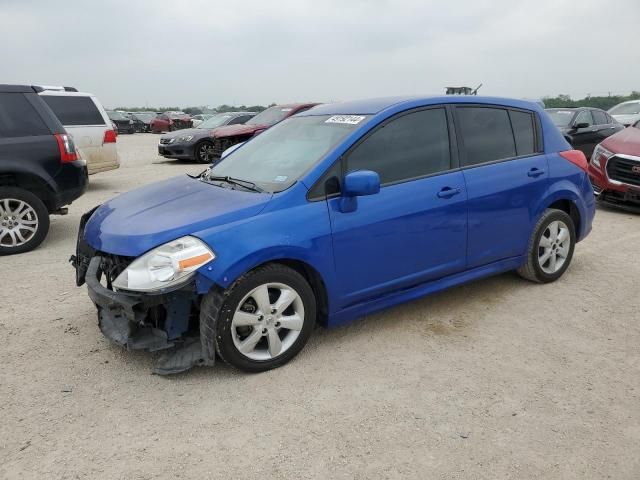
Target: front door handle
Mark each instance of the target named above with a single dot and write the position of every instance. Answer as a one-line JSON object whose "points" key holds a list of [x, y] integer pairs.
{"points": [[448, 192], [535, 172]]}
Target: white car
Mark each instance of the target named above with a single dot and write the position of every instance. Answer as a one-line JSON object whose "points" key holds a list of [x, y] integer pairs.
{"points": [[87, 122], [198, 119], [627, 113]]}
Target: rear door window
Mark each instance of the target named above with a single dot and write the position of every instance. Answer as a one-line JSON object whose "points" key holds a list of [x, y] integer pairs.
{"points": [[523, 132], [599, 118], [74, 110], [18, 118], [486, 134], [410, 146]]}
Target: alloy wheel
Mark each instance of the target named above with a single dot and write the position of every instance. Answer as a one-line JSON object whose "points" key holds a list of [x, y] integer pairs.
{"points": [[554, 247], [267, 321], [18, 222]]}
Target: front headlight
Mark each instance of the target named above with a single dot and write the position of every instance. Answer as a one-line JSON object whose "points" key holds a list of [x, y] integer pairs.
{"points": [[165, 266], [130, 122], [184, 138], [600, 153]]}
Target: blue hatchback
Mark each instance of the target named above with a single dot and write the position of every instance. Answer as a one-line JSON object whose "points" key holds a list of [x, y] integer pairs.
{"points": [[340, 211]]}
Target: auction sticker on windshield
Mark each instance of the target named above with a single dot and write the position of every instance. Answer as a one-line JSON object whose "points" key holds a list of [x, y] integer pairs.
{"points": [[348, 119]]}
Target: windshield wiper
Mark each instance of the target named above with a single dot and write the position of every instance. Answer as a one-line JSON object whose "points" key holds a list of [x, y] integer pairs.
{"points": [[235, 181]]}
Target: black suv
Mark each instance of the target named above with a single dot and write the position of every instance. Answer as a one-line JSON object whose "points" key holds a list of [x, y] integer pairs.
{"points": [[40, 169]]}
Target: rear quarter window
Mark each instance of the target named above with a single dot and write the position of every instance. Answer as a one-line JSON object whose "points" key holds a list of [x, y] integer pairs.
{"points": [[74, 110], [18, 118]]}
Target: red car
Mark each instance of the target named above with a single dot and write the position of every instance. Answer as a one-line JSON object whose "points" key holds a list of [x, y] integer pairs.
{"points": [[614, 169], [170, 121], [225, 137]]}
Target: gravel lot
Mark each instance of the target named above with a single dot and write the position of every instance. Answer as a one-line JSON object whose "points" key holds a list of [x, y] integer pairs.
{"points": [[497, 379]]}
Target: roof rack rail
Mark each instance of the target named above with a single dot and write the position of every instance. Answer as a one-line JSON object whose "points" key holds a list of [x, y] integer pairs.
{"points": [[55, 88]]}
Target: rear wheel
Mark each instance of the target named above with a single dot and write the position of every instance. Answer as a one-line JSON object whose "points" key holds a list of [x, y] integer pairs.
{"points": [[24, 221], [204, 152], [550, 247], [262, 321]]}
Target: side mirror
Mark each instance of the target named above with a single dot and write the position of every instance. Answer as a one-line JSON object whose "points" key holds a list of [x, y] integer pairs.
{"points": [[357, 184], [360, 183], [581, 125]]}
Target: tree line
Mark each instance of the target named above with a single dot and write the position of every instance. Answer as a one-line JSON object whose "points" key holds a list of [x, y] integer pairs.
{"points": [[605, 103]]}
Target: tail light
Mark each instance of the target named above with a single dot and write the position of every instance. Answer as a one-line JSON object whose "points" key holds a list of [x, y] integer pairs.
{"points": [[109, 137], [67, 148], [576, 157]]}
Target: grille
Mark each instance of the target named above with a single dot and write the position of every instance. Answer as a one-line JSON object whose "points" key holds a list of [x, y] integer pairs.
{"points": [[621, 170], [221, 144]]}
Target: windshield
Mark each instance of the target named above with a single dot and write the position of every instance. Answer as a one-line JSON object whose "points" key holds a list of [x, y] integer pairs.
{"points": [[145, 117], [116, 116], [277, 158], [561, 118], [270, 116], [626, 109], [215, 121]]}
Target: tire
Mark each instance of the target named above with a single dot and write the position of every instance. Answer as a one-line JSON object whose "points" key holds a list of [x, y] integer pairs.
{"points": [[541, 268], [197, 154], [31, 213], [219, 330]]}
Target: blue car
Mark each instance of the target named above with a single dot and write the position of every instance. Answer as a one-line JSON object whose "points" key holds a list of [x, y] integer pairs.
{"points": [[335, 213]]}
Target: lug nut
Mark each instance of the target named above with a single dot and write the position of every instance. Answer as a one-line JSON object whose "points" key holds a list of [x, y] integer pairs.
{"points": [[264, 330], [277, 324], [260, 318]]}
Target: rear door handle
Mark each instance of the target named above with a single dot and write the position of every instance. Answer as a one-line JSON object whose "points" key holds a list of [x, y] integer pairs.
{"points": [[535, 172], [448, 192]]}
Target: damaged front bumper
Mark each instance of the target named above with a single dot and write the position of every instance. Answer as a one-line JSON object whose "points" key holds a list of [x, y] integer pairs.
{"points": [[167, 321]]}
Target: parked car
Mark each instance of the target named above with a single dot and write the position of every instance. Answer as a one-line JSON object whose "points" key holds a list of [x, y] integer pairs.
{"points": [[615, 169], [170, 121], [142, 121], [199, 118], [584, 127], [226, 137], [626, 113], [196, 143], [123, 123], [333, 214], [87, 122], [40, 169]]}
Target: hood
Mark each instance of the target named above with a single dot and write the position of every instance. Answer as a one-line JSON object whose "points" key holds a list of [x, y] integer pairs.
{"points": [[142, 219], [627, 119], [196, 132], [626, 141], [238, 130]]}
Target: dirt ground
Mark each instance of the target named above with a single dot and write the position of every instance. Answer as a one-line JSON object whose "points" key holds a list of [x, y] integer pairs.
{"points": [[499, 379]]}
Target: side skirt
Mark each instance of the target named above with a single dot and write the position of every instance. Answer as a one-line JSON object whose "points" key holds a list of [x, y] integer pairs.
{"points": [[401, 296]]}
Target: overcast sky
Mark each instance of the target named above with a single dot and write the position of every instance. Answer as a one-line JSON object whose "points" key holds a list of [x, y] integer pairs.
{"points": [[170, 52]]}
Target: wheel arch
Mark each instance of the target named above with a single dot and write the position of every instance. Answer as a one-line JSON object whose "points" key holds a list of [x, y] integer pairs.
{"points": [[567, 199], [30, 182]]}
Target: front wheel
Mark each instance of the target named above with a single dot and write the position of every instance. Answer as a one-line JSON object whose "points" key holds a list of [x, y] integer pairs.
{"points": [[550, 247], [204, 152], [24, 221], [262, 321]]}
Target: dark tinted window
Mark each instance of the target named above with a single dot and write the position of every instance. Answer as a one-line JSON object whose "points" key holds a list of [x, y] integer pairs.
{"points": [[72, 110], [486, 134], [599, 118], [409, 146], [18, 118], [237, 120], [523, 131]]}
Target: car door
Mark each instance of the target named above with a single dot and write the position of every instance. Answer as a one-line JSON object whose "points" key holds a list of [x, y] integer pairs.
{"points": [[505, 172], [584, 138], [414, 229], [605, 126]]}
